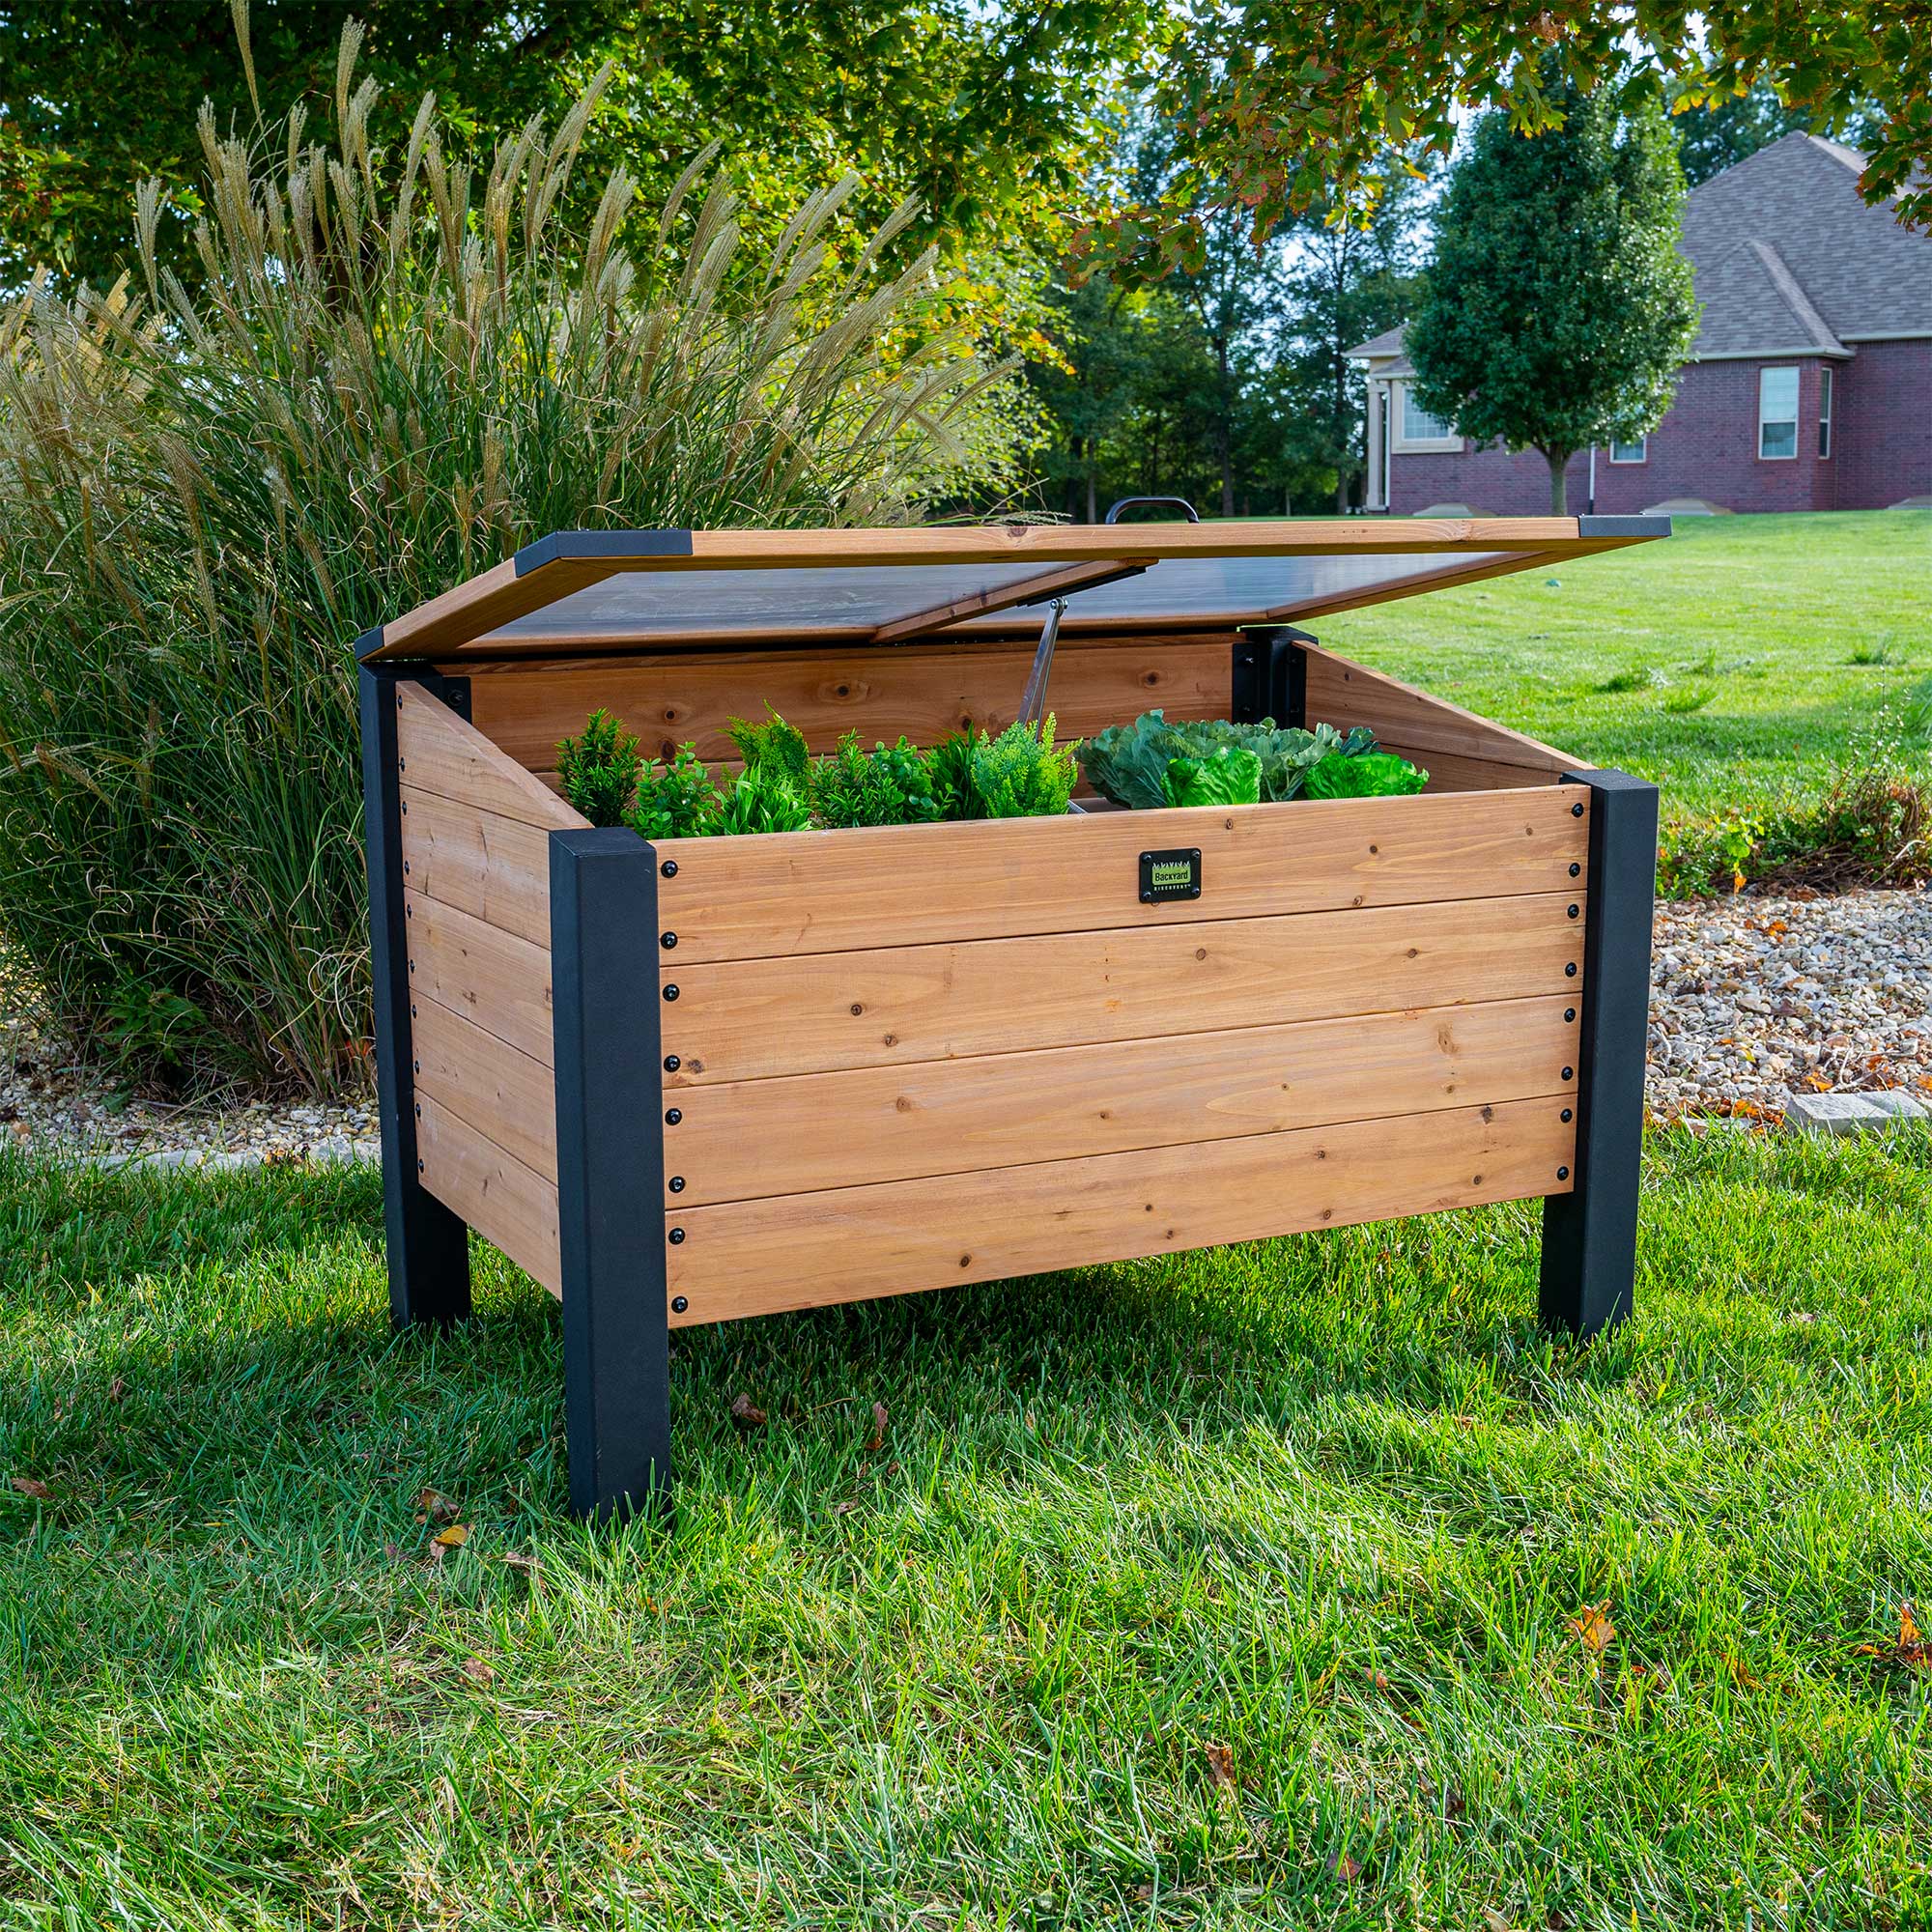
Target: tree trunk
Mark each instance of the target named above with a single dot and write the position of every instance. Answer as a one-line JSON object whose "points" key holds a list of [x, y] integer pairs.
{"points": [[1558, 461], [1093, 503]]}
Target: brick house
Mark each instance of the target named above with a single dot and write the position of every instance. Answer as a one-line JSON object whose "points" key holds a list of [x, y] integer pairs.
{"points": [[1810, 386]]}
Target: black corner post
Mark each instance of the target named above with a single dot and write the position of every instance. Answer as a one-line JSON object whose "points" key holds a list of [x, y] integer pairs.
{"points": [[428, 1244], [1589, 1235], [610, 1170], [1270, 676]]}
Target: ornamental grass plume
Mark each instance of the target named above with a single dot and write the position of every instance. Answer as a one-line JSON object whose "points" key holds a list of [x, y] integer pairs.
{"points": [[390, 371]]}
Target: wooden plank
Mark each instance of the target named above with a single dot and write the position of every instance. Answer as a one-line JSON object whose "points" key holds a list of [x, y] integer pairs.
{"points": [[853, 1243], [1448, 773], [822, 892], [496, 1193], [669, 700], [1346, 695], [486, 1079], [740, 1140], [493, 977], [756, 1019], [492, 867], [437, 751]]}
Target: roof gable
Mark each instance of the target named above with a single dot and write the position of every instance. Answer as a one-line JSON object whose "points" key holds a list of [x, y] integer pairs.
{"points": [[1835, 269]]}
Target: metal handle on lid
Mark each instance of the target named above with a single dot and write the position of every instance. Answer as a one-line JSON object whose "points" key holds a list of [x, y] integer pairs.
{"points": [[1180, 503]]}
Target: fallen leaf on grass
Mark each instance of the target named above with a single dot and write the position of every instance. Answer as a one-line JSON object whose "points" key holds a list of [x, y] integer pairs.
{"points": [[1220, 1765], [1379, 1681], [747, 1413], [1345, 1868], [436, 1507], [517, 1560], [478, 1672], [1495, 1920], [31, 1486], [454, 1537], [877, 1439], [843, 1509], [1912, 1648], [1593, 1629]]}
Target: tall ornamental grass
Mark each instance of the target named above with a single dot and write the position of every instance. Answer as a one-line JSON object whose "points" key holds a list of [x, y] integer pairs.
{"points": [[391, 373]]}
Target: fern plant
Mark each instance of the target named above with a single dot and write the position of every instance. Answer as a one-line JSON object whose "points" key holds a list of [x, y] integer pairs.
{"points": [[1019, 774]]}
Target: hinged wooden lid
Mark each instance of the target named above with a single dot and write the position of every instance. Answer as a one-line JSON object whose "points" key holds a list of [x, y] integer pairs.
{"points": [[583, 591]]}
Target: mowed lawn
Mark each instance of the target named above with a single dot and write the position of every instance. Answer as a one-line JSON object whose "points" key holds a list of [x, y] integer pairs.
{"points": [[1734, 664], [1299, 1584]]}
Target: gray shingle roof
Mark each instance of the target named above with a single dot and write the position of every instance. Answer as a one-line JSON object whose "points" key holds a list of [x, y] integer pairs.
{"points": [[1788, 256]]}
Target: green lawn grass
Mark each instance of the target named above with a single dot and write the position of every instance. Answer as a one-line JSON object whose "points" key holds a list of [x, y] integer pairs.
{"points": [[1325, 1505], [1733, 663]]}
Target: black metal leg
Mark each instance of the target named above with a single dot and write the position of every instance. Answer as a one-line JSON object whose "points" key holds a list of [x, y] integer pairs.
{"points": [[428, 1245], [610, 1170], [1589, 1237]]}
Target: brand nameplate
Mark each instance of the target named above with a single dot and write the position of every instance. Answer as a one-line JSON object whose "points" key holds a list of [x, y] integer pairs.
{"points": [[1174, 874]]}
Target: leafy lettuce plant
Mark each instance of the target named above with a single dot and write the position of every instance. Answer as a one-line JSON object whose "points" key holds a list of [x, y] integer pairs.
{"points": [[1372, 775], [1229, 775], [1128, 763]]}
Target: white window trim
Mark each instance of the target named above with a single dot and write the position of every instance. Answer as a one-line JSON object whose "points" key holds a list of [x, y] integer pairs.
{"points": [[1795, 418], [1398, 404], [1828, 411], [1642, 455]]}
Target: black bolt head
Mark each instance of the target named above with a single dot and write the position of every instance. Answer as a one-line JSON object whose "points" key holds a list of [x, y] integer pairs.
{"points": [[673, 1116], [666, 940], [1575, 811], [1576, 871], [678, 1183], [1569, 1073], [1563, 1174], [671, 992], [672, 1062], [678, 1305], [1568, 1115], [677, 1237], [1570, 971], [1569, 1012], [669, 869], [1575, 910]]}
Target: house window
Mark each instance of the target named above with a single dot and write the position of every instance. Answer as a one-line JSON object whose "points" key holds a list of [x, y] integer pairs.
{"points": [[1825, 387], [1629, 452], [1776, 413], [1417, 429]]}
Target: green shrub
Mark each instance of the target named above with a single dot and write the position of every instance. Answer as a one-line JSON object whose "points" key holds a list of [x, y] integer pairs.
{"points": [[394, 372], [772, 743], [887, 786], [598, 770], [677, 800]]}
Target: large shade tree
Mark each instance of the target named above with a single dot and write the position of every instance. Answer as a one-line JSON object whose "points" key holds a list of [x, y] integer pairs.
{"points": [[1558, 309], [1288, 101]]}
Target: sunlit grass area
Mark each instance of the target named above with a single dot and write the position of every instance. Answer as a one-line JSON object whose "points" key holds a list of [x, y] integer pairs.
{"points": [[1303, 1583]]}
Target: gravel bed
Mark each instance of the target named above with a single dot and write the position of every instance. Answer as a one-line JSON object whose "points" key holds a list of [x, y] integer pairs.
{"points": [[1756, 999], [1751, 1000]]}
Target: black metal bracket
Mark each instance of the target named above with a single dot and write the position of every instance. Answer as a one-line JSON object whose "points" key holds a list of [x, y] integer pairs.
{"points": [[428, 1243], [1270, 677], [1589, 1234], [610, 1172]]}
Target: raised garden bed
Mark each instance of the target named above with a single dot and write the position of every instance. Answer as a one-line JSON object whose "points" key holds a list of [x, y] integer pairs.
{"points": [[724, 1076]]}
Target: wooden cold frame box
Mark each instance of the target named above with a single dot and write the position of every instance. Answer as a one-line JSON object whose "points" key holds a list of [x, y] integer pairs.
{"points": [[733, 1076]]}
